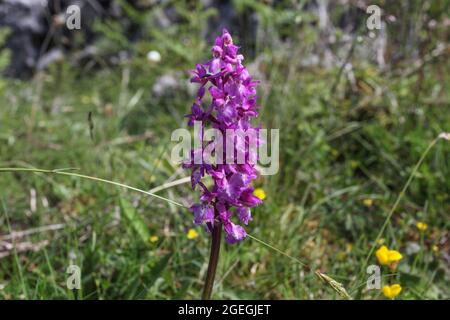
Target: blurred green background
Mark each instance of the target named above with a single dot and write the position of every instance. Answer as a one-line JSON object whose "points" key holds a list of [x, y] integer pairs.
{"points": [[356, 110]]}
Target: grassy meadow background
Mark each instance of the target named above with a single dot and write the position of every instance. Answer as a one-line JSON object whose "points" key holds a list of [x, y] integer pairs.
{"points": [[349, 140]]}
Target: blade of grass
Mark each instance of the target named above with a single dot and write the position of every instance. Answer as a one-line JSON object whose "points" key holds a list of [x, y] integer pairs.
{"points": [[16, 256], [72, 174]]}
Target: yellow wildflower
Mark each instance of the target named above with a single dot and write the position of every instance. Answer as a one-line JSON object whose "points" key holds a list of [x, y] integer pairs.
{"points": [[392, 291], [259, 193], [192, 234], [349, 247], [422, 226], [435, 249], [368, 202], [388, 257], [153, 239]]}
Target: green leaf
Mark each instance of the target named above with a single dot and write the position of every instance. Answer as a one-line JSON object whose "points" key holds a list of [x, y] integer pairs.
{"points": [[136, 221]]}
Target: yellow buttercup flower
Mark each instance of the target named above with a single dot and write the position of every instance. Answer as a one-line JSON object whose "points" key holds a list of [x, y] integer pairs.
{"points": [[388, 257], [392, 291], [153, 239], [395, 256], [382, 255], [422, 226], [192, 234], [368, 202], [259, 193]]}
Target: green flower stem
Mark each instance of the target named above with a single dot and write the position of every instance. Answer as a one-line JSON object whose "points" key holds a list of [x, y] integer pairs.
{"points": [[213, 261]]}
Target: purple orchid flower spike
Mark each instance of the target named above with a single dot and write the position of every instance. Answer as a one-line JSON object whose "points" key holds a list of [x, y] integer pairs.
{"points": [[232, 96]]}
